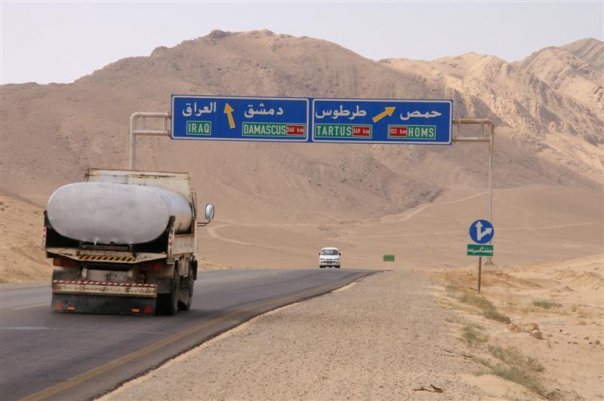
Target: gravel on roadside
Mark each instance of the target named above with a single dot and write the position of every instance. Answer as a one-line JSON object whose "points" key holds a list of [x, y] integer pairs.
{"points": [[383, 338]]}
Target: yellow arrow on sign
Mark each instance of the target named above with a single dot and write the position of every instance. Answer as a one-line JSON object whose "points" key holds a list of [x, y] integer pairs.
{"points": [[229, 112], [388, 111]]}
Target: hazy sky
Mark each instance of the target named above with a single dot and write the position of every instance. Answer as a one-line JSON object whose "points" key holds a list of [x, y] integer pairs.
{"points": [[52, 41]]}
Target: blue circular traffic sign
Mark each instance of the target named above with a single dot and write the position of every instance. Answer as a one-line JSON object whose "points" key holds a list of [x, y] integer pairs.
{"points": [[482, 231]]}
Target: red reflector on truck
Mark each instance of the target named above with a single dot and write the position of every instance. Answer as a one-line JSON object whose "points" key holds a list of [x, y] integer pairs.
{"points": [[148, 309], [64, 262], [151, 266]]}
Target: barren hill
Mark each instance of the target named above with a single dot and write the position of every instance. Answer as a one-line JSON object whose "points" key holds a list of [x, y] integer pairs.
{"points": [[62, 129], [547, 109]]}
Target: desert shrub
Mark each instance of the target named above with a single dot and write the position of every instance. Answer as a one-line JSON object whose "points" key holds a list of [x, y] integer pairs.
{"points": [[513, 357], [473, 334], [546, 303], [476, 300], [520, 369], [494, 314], [516, 375], [488, 309]]}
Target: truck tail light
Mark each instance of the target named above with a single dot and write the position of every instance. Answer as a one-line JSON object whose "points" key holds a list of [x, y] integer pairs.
{"points": [[148, 309], [64, 262]]}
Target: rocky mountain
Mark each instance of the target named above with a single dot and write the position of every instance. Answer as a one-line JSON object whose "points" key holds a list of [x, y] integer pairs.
{"points": [[574, 70], [552, 100], [547, 109]]}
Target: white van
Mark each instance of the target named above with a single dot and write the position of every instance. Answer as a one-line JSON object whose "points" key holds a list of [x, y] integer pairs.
{"points": [[329, 257]]}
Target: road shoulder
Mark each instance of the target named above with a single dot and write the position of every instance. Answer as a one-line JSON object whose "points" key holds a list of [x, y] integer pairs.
{"points": [[382, 339]]}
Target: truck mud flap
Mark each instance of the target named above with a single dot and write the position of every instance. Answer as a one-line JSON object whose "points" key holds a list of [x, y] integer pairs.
{"points": [[72, 303]]}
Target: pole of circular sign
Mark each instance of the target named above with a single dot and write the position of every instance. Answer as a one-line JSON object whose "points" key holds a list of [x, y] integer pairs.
{"points": [[479, 272]]}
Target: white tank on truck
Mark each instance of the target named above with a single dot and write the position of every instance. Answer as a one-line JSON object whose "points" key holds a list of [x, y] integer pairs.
{"points": [[123, 242], [87, 211]]}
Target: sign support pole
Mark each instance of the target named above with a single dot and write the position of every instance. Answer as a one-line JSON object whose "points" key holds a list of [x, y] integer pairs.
{"points": [[490, 140], [479, 272]]}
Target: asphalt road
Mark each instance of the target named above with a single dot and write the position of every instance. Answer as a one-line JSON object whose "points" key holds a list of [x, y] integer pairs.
{"points": [[51, 356]]}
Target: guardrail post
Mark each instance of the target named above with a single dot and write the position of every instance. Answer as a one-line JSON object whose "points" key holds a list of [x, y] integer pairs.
{"points": [[138, 127]]}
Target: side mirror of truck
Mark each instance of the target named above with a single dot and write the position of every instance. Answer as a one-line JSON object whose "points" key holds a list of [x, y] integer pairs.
{"points": [[209, 215], [209, 212]]}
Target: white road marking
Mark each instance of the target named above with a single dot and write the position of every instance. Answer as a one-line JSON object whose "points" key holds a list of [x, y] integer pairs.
{"points": [[32, 306], [24, 328]]}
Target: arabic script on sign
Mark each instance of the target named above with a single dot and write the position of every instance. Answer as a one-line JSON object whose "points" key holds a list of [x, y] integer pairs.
{"points": [[341, 112], [418, 114], [194, 110], [262, 111]]}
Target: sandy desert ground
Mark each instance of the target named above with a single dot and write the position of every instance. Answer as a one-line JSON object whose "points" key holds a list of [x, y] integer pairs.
{"points": [[21, 239], [552, 343]]}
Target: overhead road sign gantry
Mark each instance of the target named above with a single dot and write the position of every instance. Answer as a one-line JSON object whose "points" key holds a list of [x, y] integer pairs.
{"points": [[240, 118], [382, 121]]}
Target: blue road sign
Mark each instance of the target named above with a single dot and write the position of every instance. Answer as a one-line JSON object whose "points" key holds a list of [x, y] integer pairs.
{"points": [[382, 121], [240, 118], [482, 231]]}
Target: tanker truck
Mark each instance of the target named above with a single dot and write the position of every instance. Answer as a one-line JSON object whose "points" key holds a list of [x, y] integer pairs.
{"points": [[123, 242]]}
